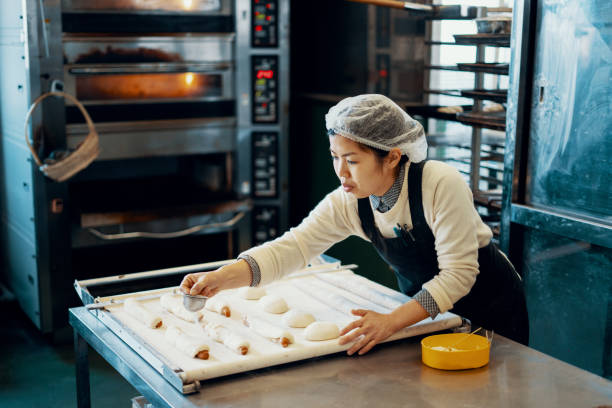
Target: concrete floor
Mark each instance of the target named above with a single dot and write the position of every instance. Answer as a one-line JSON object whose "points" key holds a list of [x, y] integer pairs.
{"points": [[36, 371]]}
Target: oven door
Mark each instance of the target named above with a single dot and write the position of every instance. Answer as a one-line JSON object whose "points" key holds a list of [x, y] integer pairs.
{"points": [[117, 70], [158, 95], [149, 83], [160, 6]]}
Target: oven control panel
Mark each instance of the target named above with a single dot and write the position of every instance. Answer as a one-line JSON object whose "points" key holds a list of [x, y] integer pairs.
{"points": [[266, 224], [265, 164], [265, 23], [265, 88]]}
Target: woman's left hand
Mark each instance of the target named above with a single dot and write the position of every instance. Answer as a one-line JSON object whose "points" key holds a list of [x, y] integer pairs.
{"points": [[370, 330]]}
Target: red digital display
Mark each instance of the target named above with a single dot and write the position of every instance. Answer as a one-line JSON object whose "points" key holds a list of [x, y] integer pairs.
{"points": [[258, 28], [265, 73]]}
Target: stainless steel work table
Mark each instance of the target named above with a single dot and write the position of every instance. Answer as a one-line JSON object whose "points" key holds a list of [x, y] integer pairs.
{"points": [[391, 375]]}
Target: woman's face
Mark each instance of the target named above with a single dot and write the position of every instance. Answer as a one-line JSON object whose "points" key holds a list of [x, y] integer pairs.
{"points": [[360, 171]]}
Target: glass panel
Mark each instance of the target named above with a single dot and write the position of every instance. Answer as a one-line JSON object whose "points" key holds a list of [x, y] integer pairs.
{"points": [[166, 5], [568, 286], [185, 85], [570, 149]]}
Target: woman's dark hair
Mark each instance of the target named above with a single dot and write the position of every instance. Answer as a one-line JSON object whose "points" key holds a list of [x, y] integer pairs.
{"points": [[380, 154]]}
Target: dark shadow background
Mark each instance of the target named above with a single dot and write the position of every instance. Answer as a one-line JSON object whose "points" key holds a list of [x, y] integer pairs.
{"points": [[328, 62]]}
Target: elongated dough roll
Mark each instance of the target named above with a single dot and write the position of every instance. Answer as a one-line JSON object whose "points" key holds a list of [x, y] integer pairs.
{"points": [[136, 310], [319, 331], [450, 109], [218, 305], [187, 344], [298, 318], [251, 293], [269, 331], [273, 304], [174, 305], [221, 334]]}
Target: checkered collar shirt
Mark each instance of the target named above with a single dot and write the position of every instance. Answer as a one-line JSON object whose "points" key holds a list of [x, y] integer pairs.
{"points": [[387, 201]]}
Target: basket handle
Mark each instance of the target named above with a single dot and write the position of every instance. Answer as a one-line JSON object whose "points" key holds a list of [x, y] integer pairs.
{"points": [[90, 125]]}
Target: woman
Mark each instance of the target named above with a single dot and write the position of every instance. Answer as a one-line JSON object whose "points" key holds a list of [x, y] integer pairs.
{"points": [[420, 217]]}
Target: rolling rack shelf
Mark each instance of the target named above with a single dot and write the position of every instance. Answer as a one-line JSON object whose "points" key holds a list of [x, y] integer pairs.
{"points": [[494, 95], [431, 111], [475, 116], [489, 120], [494, 40], [482, 67]]}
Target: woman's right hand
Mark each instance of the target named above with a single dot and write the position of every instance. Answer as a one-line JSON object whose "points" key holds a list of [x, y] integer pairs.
{"points": [[210, 283]]}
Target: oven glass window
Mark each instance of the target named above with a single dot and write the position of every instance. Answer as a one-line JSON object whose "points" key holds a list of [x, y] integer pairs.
{"points": [[184, 85], [167, 5]]}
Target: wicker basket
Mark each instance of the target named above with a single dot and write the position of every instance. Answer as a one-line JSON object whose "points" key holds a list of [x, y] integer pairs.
{"points": [[85, 153]]}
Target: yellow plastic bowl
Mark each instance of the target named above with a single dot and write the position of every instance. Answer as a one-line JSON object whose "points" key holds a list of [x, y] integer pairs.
{"points": [[454, 351]]}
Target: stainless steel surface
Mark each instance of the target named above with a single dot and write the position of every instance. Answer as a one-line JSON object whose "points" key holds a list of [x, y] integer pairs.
{"points": [[391, 375], [143, 68], [581, 229], [122, 140], [133, 368], [44, 253], [193, 303], [167, 48], [522, 42], [477, 131], [243, 54], [179, 270]]}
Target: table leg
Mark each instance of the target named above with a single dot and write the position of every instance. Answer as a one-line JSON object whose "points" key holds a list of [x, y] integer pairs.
{"points": [[82, 371]]}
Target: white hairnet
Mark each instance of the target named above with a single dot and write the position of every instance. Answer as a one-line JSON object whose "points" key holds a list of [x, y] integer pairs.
{"points": [[377, 121]]}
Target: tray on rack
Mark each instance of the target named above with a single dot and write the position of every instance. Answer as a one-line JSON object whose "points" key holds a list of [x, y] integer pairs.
{"points": [[485, 67], [431, 111], [495, 95], [489, 120], [498, 40], [464, 140], [490, 200]]}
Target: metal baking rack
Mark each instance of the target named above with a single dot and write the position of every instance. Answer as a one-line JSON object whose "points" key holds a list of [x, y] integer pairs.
{"points": [[101, 293], [97, 294]]}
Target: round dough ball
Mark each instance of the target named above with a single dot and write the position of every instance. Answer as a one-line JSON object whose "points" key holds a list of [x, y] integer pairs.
{"points": [[250, 293], [298, 318], [274, 304], [319, 331]]}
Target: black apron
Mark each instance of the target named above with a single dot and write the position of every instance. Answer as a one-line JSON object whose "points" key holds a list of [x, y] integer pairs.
{"points": [[496, 301]]}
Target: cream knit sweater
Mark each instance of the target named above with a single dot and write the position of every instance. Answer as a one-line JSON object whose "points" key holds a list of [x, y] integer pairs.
{"points": [[449, 212]]}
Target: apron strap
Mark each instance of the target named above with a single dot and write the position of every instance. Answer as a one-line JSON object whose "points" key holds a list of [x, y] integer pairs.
{"points": [[415, 196], [367, 218]]}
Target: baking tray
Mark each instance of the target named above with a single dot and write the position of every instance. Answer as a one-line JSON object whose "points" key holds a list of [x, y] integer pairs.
{"points": [[319, 289], [489, 120], [495, 95], [496, 40], [431, 111], [486, 67]]}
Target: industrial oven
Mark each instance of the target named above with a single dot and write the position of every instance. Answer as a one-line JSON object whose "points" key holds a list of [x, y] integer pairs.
{"points": [[190, 101]]}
